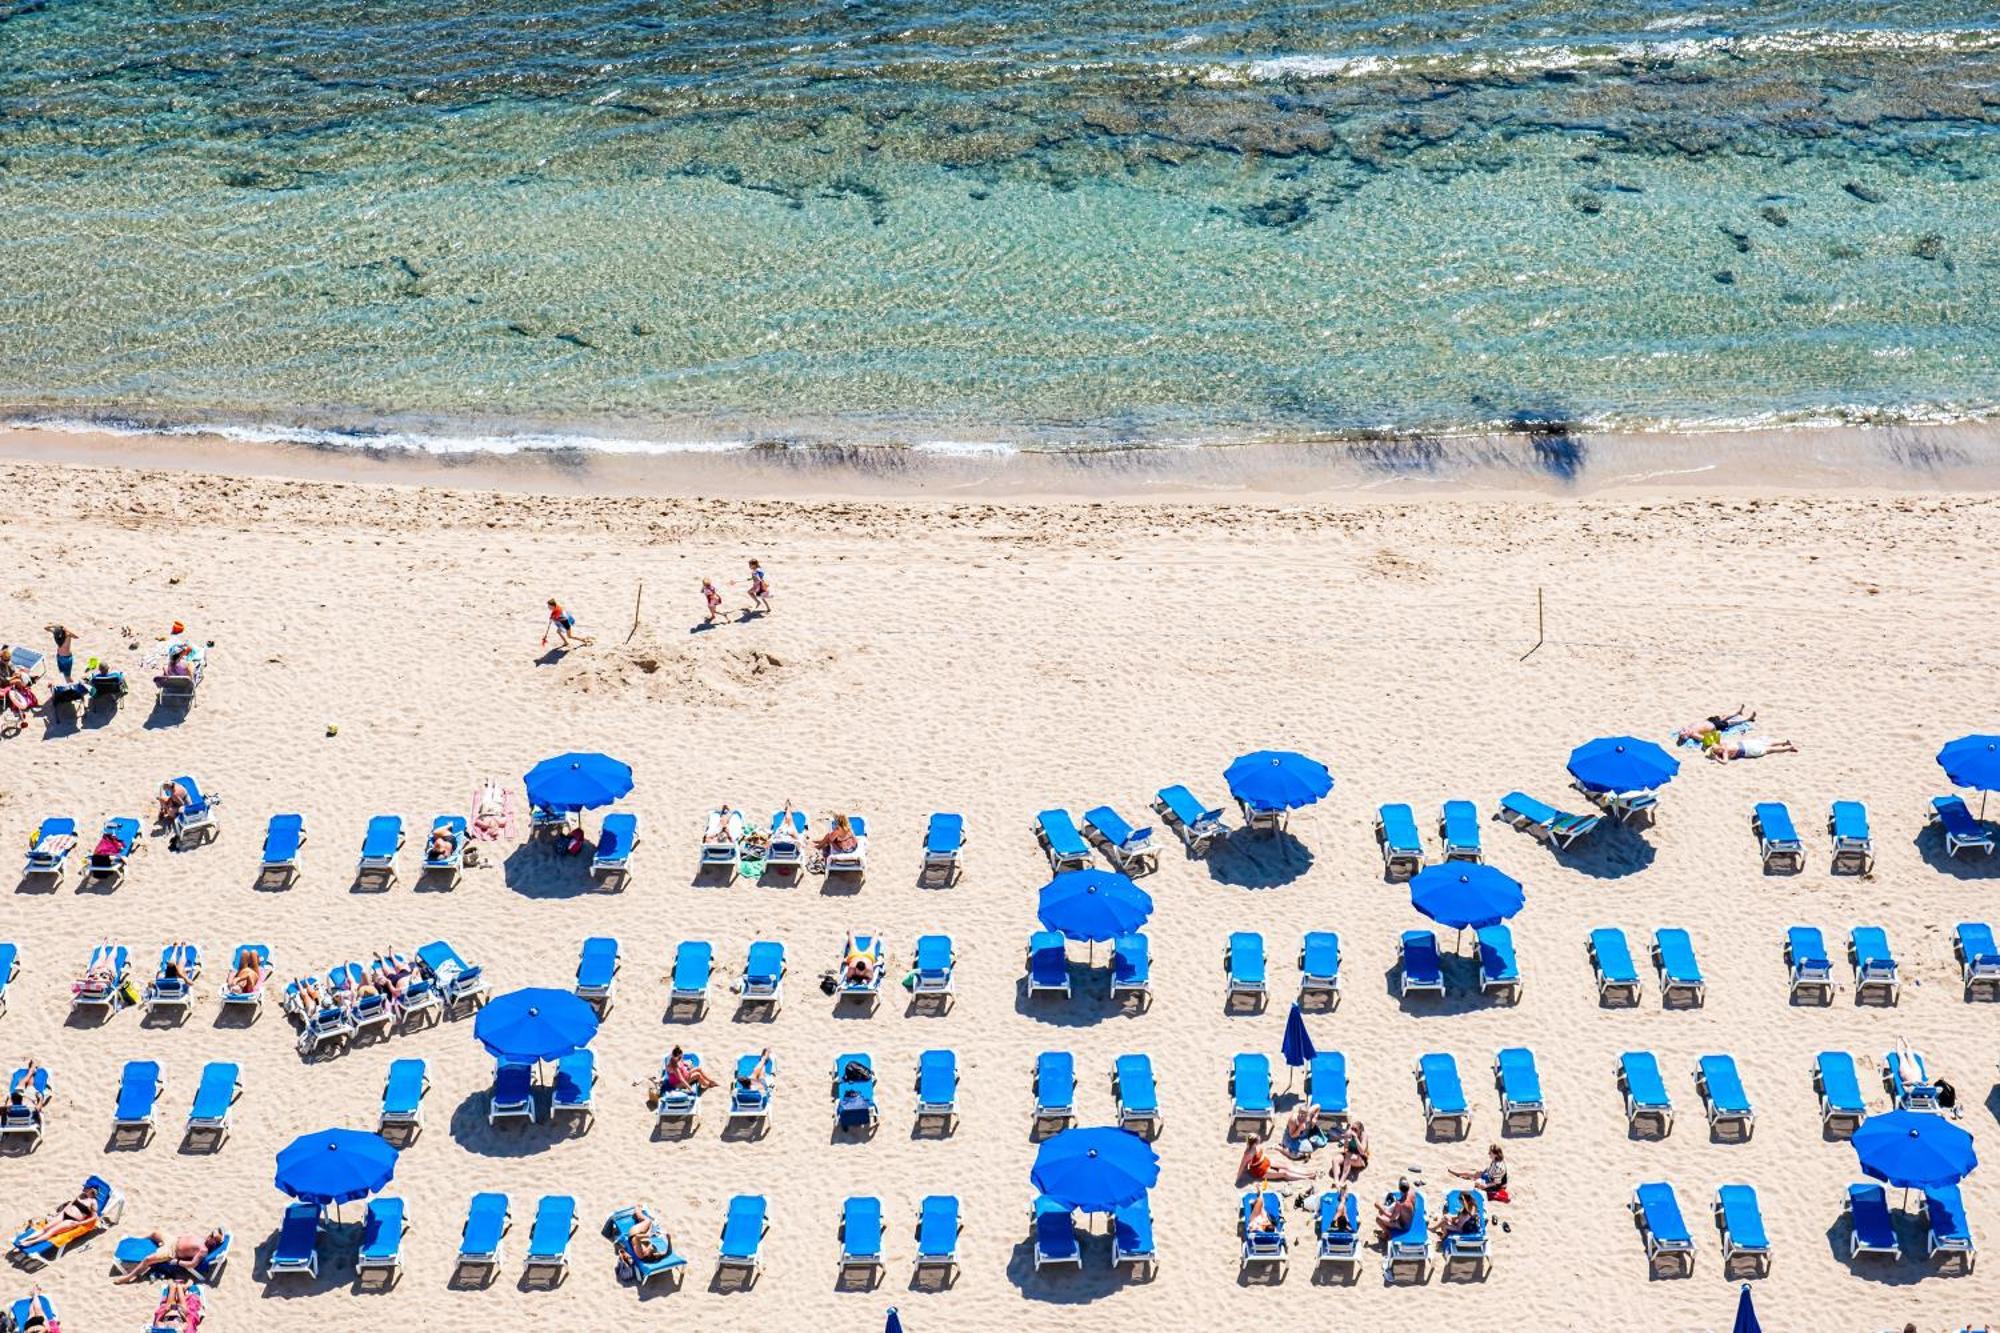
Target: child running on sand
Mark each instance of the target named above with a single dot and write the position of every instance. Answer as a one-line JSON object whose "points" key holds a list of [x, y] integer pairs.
{"points": [[564, 625], [760, 589], [714, 600]]}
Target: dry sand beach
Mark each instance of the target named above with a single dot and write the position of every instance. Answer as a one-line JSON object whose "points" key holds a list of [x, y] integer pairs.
{"points": [[996, 658]]}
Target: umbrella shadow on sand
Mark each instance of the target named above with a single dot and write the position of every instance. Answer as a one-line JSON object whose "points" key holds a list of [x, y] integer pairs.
{"points": [[469, 1129], [1067, 1284], [537, 870], [1929, 843], [1612, 851], [1258, 860]]}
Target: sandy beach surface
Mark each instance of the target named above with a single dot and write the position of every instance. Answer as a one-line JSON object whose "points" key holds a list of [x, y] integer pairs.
{"points": [[995, 658]]}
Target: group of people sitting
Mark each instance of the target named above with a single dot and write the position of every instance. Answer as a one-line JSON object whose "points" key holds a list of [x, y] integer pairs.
{"points": [[727, 826], [17, 687], [680, 1072], [1714, 735], [387, 975], [1304, 1135]]}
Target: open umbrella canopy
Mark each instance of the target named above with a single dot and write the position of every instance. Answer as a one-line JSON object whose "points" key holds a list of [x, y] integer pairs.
{"points": [[1277, 780], [1093, 905], [335, 1165], [578, 781], [1297, 1044], [1972, 761], [1622, 763], [1465, 894], [525, 1026], [1914, 1149], [1095, 1169]]}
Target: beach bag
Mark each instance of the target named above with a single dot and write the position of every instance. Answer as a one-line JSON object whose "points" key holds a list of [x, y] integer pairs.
{"points": [[827, 985]]}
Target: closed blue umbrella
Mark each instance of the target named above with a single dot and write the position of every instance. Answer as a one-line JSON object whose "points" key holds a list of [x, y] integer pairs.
{"points": [[1622, 763], [335, 1165], [1093, 905], [578, 781], [1465, 893], [1972, 761], [1095, 1169], [1914, 1149], [526, 1026], [894, 1323], [1297, 1044], [1277, 780], [1746, 1314]]}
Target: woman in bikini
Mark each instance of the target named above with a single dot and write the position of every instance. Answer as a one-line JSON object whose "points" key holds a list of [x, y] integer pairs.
{"points": [[249, 973], [1353, 1153], [68, 1216], [1257, 1165], [682, 1072]]}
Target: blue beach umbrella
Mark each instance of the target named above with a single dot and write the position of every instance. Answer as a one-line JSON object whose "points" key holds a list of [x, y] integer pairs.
{"points": [[1095, 1169], [1297, 1044], [1972, 761], [894, 1323], [578, 781], [1093, 905], [1465, 893], [1914, 1149], [527, 1026], [1277, 780], [1622, 763], [1746, 1314], [335, 1165]]}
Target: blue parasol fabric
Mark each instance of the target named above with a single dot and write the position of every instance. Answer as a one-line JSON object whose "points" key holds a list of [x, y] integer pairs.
{"points": [[1297, 1045], [1972, 761], [526, 1026], [1914, 1149], [1464, 894], [578, 781], [1095, 1169], [1277, 780], [1093, 905], [1746, 1314], [894, 1323], [1622, 763], [335, 1165]]}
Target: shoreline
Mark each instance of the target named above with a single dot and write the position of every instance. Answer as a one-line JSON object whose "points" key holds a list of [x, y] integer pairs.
{"points": [[1963, 457]]}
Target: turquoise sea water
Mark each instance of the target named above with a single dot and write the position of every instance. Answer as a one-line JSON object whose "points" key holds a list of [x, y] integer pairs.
{"points": [[1096, 223]]}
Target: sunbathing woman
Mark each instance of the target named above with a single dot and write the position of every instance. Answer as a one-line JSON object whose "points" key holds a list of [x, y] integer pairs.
{"points": [[759, 1076], [311, 999], [249, 973], [41, 1316], [682, 1072], [1260, 1218], [173, 800], [1463, 1222], [1353, 1153], [1750, 747], [102, 971], [839, 838], [1390, 1220], [1257, 1165], [641, 1238], [1302, 1135], [174, 962], [444, 842], [24, 1092], [68, 1216], [180, 1308]]}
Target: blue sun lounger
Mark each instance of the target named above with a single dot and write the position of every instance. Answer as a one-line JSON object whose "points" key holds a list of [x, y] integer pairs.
{"points": [[1946, 1230], [1319, 966], [618, 1230], [23, 1120], [1519, 1083], [574, 1091], [1673, 959], [1326, 1087], [1807, 961], [1443, 1097], [1910, 1084], [694, 960], [936, 964], [403, 1097], [1841, 1109], [750, 1099], [1870, 1230], [195, 823], [597, 972], [1250, 1092], [1243, 963], [1411, 1245], [28, 1307], [1055, 1234], [297, 1248], [743, 1229], [1420, 969], [1136, 1093], [1131, 968], [513, 1094], [937, 1087], [764, 974], [1741, 1222], [1874, 966], [106, 870], [944, 850], [97, 993], [1130, 849], [854, 1092], [1645, 1092], [1056, 834], [49, 849], [861, 1233], [1459, 1246], [1048, 964], [1611, 962], [937, 1233], [1198, 825], [174, 993], [1556, 827], [1338, 1226], [1853, 849], [1961, 831], [139, 1089], [10, 967], [1777, 841], [253, 998], [679, 1105], [382, 1231], [1721, 1090], [1498, 968], [1396, 834], [1055, 1089], [379, 845], [1261, 1246], [1660, 1223], [451, 864], [1132, 1234], [214, 1096], [1972, 944], [785, 850], [284, 840], [617, 839], [1458, 830], [487, 1221], [548, 1239]]}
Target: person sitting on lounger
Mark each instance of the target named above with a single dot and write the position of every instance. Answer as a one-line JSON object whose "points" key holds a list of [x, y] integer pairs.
{"points": [[1463, 1222], [839, 838], [179, 1309], [644, 1238], [1391, 1218], [249, 972], [173, 799], [1710, 729], [180, 661], [1257, 1164], [391, 975], [444, 841], [101, 973], [1303, 1136], [1491, 1178], [310, 997], [70, 1215], [1259, 1219], [681, 1072], [187, 1252], [1749, 747], [1353, 1153], [24, 1093], [758, 1076], [856, 964], [173, 963]]}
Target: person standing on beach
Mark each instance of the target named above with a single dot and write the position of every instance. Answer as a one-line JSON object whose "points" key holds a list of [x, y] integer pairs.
{"points": [[760, 589], [714, 600], [65, 650], [564, 624]]}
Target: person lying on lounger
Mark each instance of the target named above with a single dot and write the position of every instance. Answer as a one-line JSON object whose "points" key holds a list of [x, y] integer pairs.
{"points": [[758, 1076], [1721, 722], [1393, 1217], [857, 965], [1257, 1164], [109, 848], [391, 975], [444, 841], [187, 1252], [101, 973], [1259, 1219], [68, 1216], [1353, 1153], [1749, 747], [681, 1072], [1463, 1222], [310, 997], [179, 1309], [1302, 1137], [644, 1238], [173, 799], [41, 1316], [174, 962], [249, 972], [24, 1094]]}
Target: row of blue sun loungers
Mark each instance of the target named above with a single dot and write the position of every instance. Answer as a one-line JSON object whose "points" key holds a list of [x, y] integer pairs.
{"points": [[1739, 1223], [1337, 1235]]}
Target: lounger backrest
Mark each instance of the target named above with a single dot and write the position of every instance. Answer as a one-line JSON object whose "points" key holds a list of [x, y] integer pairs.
{"points": [[1662, 1211], [1399, 829], [1319, 954], [1945, 1207], [1060, 830], [1136, 1090], [404, 1088], [382, 1228], [1420, 954], [743, 1228], [217, 1087], [1725, 1086], [937, 1076], [1250, 1076], [1776, 822], [1530, 809], [1807, 944], [1055, 1079], [1871, 945], [1642, 1078], [598, 961], [1975, 941], [1110, 823], [1614, 955], [1461, 823], [1837, 1080], [937, 1226], [1676, 954], [554, 1216], [1496, 951], [1523, 1081], [1130, 958], [1868, 1205], [861, 1225], [384, 831], [1246, 956], [1440, 1074], [945, 834], [1850, 821], [764, 960], [1742, 1215], [485, 1223], [1182, 805], [692, 961], [933, 953], [1327, 1074]]}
